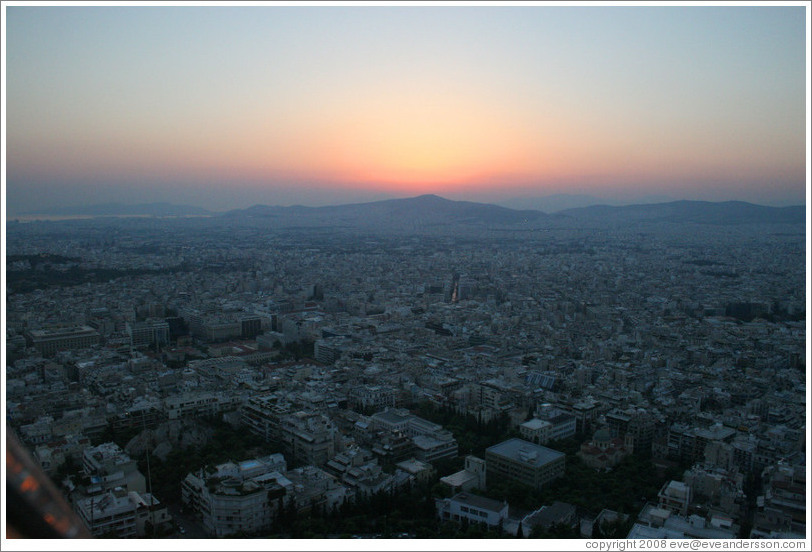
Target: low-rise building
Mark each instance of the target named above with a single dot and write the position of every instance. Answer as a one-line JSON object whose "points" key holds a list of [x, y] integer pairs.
{"points": [[429, 448], [108, 467], [49, 342], [421, 472], [430, 441], [151, 515], [471, 507], [198, 404], [675, 496], [238, 497], [524, 462], [563, 424], [536, 431], [372, 397], [309, 437], [468, 479], [658, 523], [111, 514]]}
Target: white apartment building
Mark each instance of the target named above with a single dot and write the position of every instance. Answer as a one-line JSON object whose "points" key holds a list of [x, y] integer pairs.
{"points": [[474, 508], [562, 424], [374, 397], [536, 431], [111, 514], [474, 476], [108, 466], [309, 437], [428, 448], [675, 496], [198, 404], [238, 497], [430, 441]]}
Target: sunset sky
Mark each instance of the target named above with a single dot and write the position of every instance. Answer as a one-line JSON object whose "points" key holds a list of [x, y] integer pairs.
{"points": [[225, 107]]}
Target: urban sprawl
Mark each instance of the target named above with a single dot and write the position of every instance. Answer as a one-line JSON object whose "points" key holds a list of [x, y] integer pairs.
{"points": [[176, 378]]}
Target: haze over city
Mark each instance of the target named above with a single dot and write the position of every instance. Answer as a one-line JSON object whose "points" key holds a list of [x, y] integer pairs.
{"points": [[224, 107]]}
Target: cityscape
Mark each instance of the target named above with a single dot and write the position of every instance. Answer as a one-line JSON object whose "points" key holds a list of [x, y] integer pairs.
{"points": [[572, 378], [484, 276]]}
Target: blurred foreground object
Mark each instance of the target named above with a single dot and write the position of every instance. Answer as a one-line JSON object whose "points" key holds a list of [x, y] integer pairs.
{"points": [[35, 509]]}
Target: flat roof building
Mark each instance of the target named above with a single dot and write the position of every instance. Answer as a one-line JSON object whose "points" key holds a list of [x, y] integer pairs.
{"points": [[524, 462], [474, 508], [49, 341]]}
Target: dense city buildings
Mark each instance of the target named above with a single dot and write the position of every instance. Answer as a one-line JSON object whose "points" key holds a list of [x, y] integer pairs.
{"points": [[480, 374]]}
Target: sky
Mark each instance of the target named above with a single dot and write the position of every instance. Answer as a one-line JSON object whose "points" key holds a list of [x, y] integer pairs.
{"points": [[224, 107]]}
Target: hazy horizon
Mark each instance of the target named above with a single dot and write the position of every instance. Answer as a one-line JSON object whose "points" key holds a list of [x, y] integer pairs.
{"points": [[225, 107], [552, 202]]}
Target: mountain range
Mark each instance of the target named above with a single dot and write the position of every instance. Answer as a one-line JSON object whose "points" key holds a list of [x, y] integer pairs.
{"points": [[558, 202], [699, 212], [431, 211]]}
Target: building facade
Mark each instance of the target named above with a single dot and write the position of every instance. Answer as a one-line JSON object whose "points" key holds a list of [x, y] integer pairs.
{"points": [[49, 342], [524, 462], [473, 508], [240, 497]]}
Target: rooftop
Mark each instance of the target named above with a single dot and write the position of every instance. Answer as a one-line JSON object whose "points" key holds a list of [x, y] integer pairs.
{"points": [[525, 452], [535, 423], [390, 416], [459, 478], [413, 465], [479, 501]]}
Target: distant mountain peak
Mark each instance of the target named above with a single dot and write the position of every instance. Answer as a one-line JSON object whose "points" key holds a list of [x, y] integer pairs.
{"points": [[427, 210]]}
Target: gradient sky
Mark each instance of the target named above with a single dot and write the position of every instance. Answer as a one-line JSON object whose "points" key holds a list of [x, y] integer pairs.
{"points": [[224, 107]]}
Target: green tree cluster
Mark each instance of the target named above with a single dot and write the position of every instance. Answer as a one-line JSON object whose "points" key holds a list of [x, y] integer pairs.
{"points": [[225, 444], [473, 435]]}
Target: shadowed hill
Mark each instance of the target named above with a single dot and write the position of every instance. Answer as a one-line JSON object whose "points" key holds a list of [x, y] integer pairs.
{"points": [[701, 212], [425, 210]]}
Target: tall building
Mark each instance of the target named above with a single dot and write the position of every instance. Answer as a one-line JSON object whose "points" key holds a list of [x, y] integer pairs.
{"points": [[637, 424], [328, 350], [251, 326], [148, 333]]}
